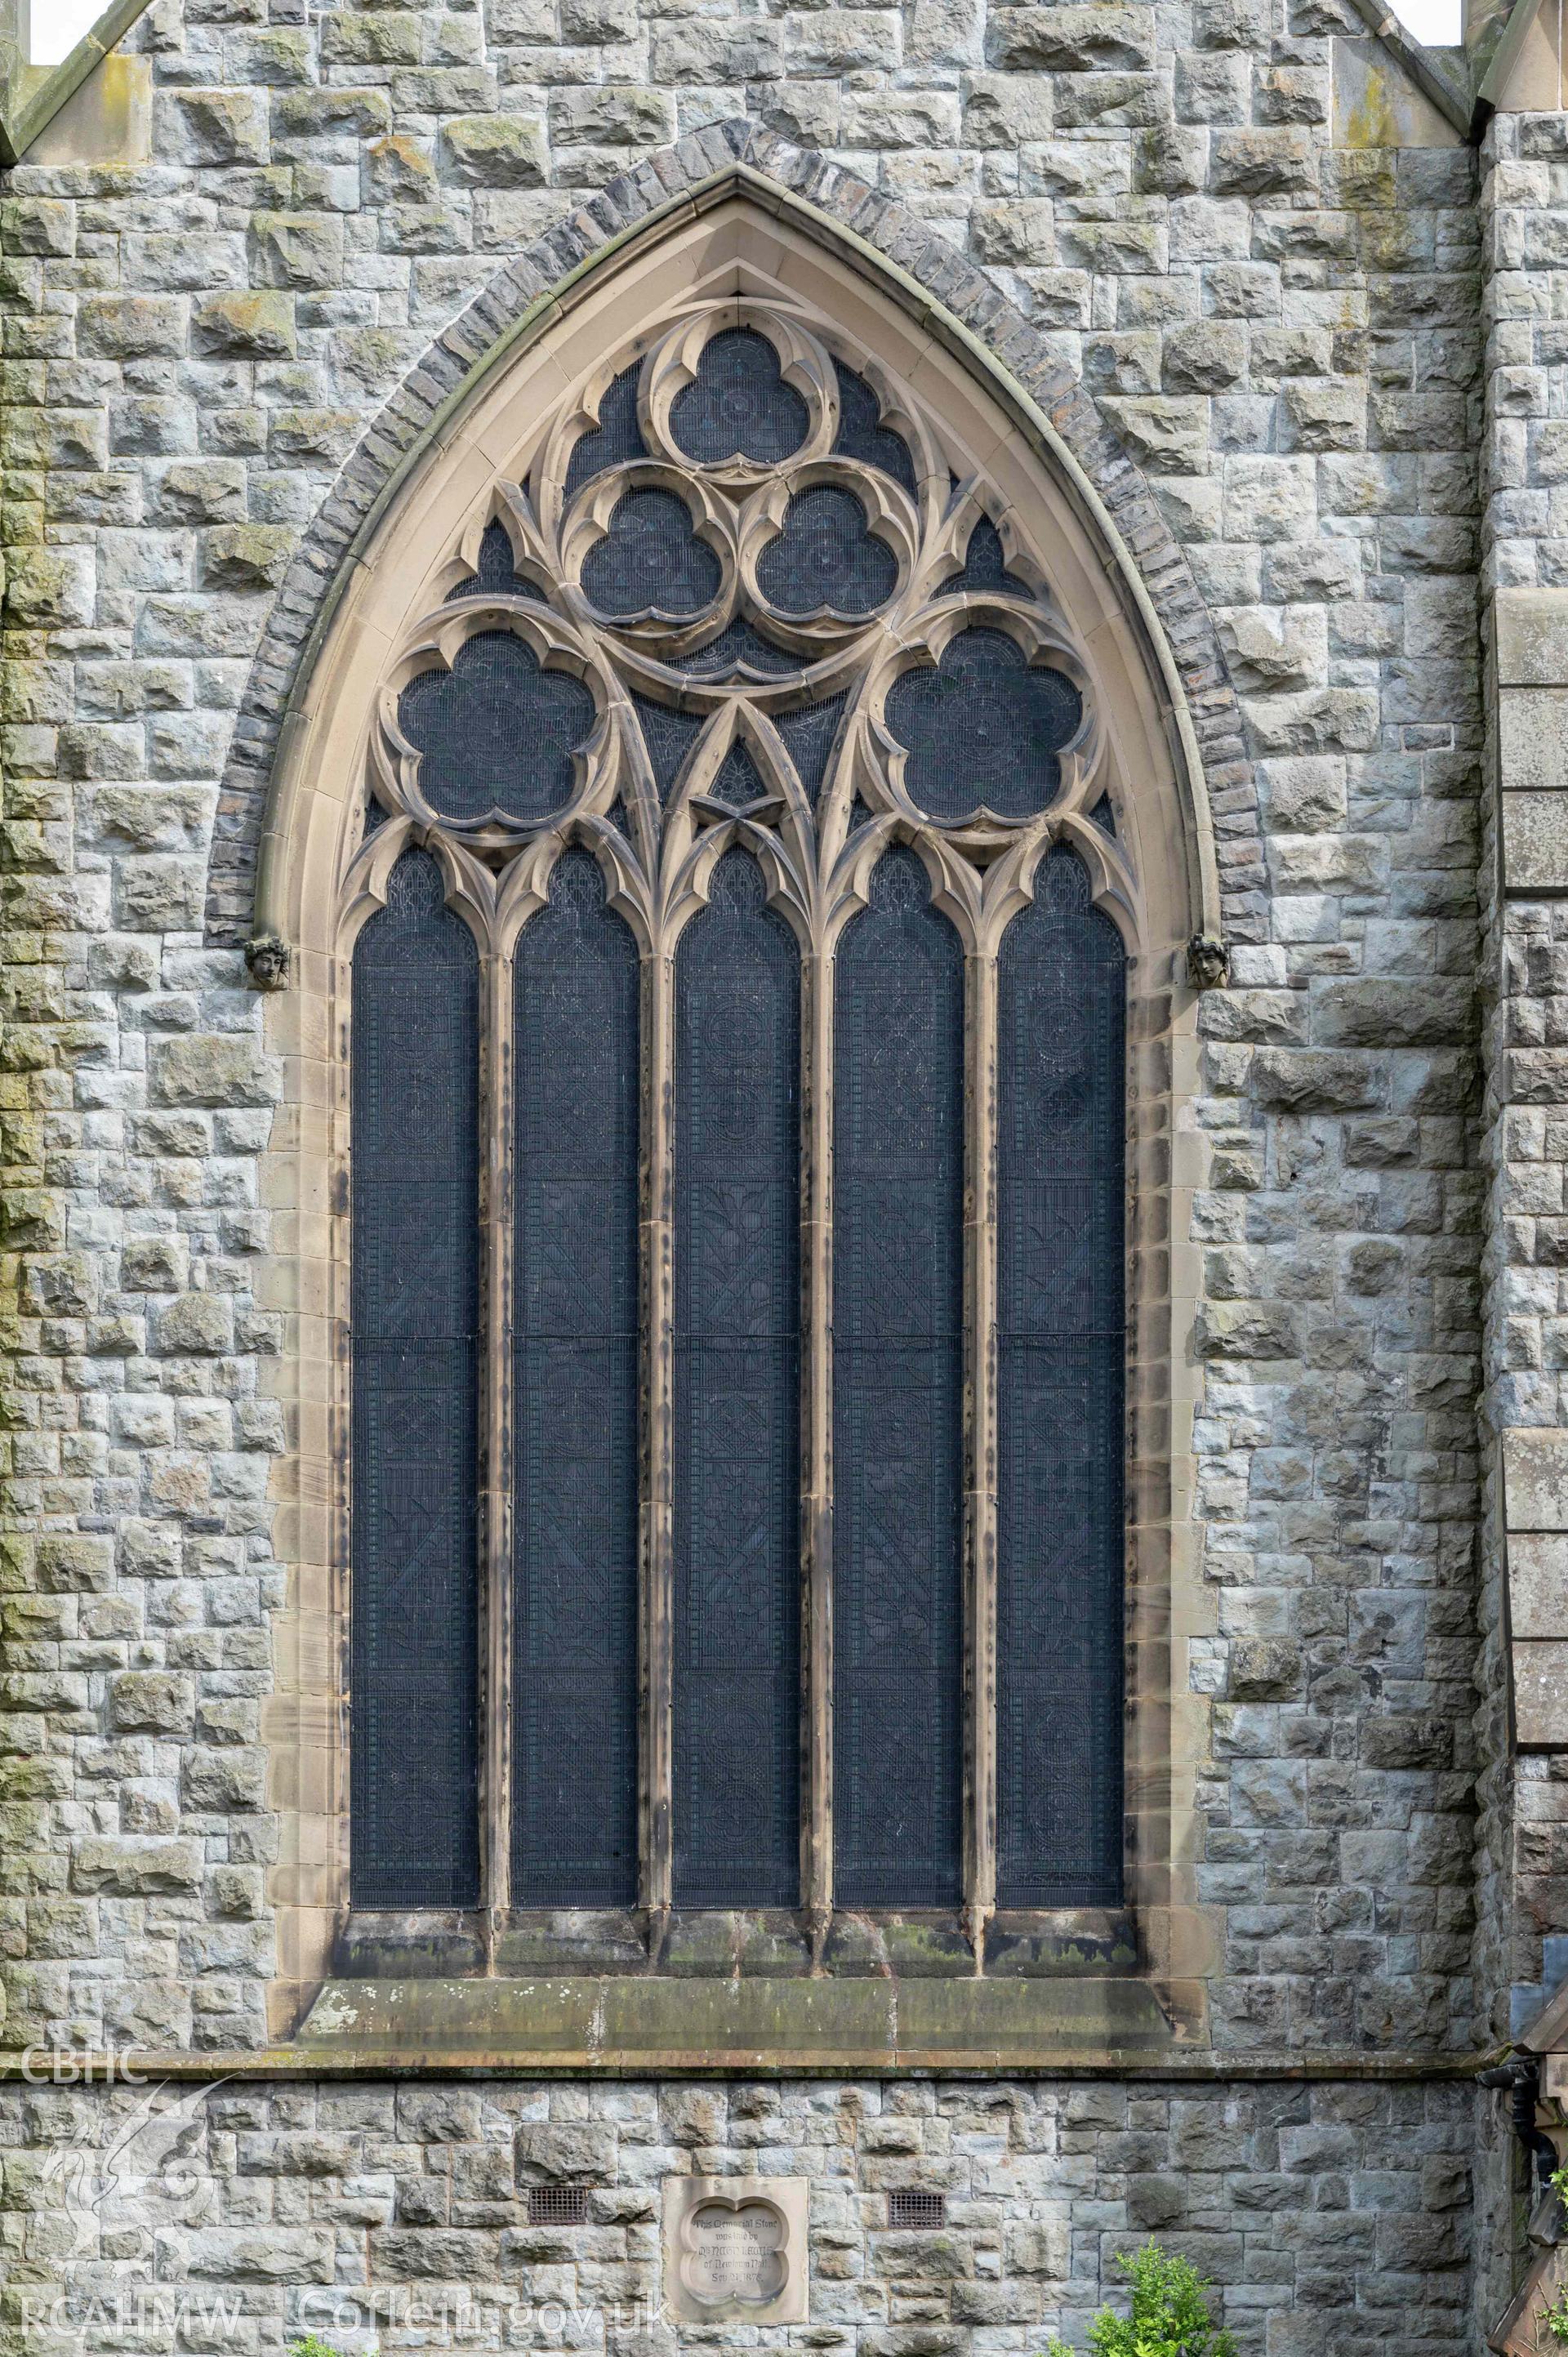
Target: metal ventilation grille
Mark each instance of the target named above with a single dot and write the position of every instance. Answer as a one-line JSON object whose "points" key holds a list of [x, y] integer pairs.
{"points": [[557, 2205], [909, 2206]]}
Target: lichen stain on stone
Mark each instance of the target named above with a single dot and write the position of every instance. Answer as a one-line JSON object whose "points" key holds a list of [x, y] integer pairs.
{"points": [[1371, 122], [107, 120], [335, 2015]]}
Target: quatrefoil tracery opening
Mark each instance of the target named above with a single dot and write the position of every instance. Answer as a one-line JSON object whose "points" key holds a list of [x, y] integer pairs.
{"points": [[746, 516]]}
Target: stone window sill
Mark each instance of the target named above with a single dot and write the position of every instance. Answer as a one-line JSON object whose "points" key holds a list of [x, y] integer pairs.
{"points": [[576, 1991], [651, 2023]]}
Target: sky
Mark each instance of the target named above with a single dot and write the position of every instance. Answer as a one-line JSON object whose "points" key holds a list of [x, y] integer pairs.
{"points": [[1435, 22], [58, 25]]}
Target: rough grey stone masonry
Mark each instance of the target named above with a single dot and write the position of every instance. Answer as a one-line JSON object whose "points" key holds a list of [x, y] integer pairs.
{"points": [[180, 400], [1337, 2218], [1297, 376], [637, 196]]}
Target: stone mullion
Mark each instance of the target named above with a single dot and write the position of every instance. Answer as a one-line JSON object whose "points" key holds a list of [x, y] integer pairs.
{"points": [[816, 1416], [980, 1440], [655, 1778], [497, 1181]]}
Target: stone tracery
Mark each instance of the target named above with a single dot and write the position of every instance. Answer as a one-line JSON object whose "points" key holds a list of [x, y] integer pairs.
{"points": [[744, 522], [749, 632]]}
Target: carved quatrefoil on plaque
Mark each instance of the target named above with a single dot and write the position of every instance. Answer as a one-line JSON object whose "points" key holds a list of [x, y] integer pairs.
{"points": [[736, 2250], [743, 592]]}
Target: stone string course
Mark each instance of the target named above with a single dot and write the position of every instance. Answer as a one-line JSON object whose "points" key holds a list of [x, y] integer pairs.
{"points": [[1271, 351]]}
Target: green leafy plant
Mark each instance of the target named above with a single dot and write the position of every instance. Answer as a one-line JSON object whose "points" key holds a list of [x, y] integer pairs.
{"points": [[1553, 2318], [311, 2347], [1170, 2314]]}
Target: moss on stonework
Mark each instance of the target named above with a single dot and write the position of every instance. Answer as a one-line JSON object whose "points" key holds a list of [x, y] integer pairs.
{"points": [[42, 590], [651, 2021]]}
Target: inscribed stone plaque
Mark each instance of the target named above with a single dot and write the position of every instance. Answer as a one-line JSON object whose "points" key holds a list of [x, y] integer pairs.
{"points": [[735, 2249]]}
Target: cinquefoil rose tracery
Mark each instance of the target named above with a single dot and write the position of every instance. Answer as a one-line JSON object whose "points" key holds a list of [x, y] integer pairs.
{"points": [[744, 530]]}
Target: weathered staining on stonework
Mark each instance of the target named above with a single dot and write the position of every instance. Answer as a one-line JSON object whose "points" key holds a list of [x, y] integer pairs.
{"points": [[403, 2209]]}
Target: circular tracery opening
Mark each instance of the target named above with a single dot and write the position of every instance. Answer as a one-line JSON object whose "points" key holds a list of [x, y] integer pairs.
{"points": [[497, 732], [742, 513], [826, 557], [983, 729], [650, 560]]}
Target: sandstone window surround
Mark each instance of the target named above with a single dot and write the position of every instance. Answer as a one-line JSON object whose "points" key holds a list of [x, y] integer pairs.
{"points": [[801, 704], [974, 543]]}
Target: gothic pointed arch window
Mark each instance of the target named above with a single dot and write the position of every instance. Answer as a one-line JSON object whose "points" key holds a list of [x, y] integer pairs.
{"points": [[738, 982]]}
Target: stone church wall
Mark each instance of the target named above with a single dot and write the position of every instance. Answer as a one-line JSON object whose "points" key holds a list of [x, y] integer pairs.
{"points": [[1281, 321], [1335, 2217]]}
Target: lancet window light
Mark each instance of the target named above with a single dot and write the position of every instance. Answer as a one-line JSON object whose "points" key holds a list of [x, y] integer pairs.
{"points": [[737, 1178]]}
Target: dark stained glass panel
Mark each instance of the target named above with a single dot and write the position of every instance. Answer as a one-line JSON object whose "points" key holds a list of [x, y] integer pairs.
{"points": [[983, 728], [1060, 1418], [862, 433], [650, 560], [496, 732], [809, 737], [986, 567], [739, 406], [737, 1553], [616, 440], [740, 652], [414, 1303], [575, 1391], [897, 1399], [825, 556], [739, 784], [668, 736], [497, 576]]}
